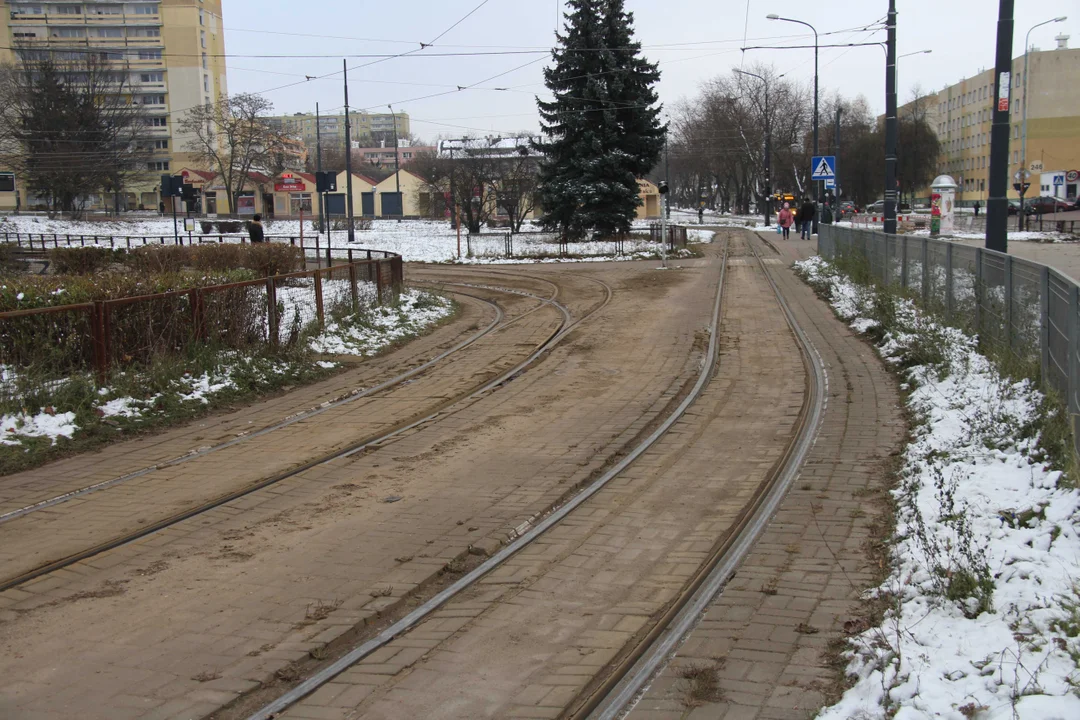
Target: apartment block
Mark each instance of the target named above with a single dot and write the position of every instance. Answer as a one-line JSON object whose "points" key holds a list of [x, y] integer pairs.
{"points": [[173, 50], [962, 115], [365, 128]]}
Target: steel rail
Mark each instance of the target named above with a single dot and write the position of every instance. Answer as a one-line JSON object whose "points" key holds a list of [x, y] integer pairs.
{"points": [[623, 688], [564, 326], [292, 419], [297, 693]]}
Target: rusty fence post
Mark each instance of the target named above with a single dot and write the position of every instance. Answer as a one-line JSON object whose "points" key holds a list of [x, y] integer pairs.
{"points": [[378, 282], [319, 299], [272, 313], [198, 314], [353, 289], [100, 340]]}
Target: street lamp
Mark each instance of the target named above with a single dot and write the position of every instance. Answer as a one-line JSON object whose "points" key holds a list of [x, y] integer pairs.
{"points": [[768, 144], [896, 75], [774, 16], [1023, 150]]}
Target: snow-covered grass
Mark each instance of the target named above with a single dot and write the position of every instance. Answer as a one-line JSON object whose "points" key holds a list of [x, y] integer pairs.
{"points": [[367, 333], [415, 240], [73, 412], [984, 592]]}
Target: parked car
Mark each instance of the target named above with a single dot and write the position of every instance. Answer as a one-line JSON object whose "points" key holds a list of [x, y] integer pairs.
{"points": [[1014, 207], [1046, 204], [878, 208], [848, 208]]}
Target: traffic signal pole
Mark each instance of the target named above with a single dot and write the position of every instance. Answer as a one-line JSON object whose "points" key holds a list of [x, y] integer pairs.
{"points": [[348, 160], [997, 204]]}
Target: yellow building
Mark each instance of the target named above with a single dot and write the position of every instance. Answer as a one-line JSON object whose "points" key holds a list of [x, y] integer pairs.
{"points": [[363, 189], [399, 195], [172, 50], [962, 115], [650, 200]]}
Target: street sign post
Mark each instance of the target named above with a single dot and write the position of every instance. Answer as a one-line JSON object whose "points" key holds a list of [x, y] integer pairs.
{"points": [[823, 167]]}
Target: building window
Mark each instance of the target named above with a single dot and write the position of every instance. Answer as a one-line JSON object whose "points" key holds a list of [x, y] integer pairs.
{"points": [[202, 38], [201, 17], [161, 144], [68, 32], [146, 9], [158, 165], [104, 10], [204, 65], [26, 10], [110, 32], [154, 77], [68, 9], [157, 122], [153, 99], [144, 32], [149, 54]]}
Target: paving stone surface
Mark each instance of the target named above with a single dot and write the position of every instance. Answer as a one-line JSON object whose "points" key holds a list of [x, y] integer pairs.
{"points": [[182, 621], [765, 635]]}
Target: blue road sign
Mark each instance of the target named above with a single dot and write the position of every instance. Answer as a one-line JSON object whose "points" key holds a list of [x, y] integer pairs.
{"points": [[830, 184], [823, 167]]}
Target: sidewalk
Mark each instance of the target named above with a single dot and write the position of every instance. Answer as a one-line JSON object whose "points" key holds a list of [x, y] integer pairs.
{"points": [[764, 638]]}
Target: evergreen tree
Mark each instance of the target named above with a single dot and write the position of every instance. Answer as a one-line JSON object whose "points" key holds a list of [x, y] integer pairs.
{"points": [[602, 127]]}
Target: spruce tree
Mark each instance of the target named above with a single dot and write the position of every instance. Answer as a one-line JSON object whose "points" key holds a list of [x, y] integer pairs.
{"points": [[602, 128]]}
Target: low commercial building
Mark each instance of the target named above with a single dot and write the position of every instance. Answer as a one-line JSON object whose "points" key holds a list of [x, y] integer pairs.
{"points": [[399, 195]]}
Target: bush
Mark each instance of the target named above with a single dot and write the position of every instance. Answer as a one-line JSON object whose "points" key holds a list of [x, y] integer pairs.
{"points": [[265, 258], [83, 261], [230, 226], [207, 226], [8, 261]]}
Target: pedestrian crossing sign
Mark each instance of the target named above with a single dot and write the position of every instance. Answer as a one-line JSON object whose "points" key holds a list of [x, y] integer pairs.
{"points": [[823, 167]]}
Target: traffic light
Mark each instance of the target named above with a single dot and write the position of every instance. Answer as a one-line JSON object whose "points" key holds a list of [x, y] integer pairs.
{"points": [[171, 186], [663, 187], [325, 181]]}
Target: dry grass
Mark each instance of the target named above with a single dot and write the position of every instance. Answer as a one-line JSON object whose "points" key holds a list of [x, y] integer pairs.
{"points": [[701, 683]]}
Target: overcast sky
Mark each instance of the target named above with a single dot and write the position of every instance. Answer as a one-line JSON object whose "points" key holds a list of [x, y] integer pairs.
{"points": [[693, 40]]}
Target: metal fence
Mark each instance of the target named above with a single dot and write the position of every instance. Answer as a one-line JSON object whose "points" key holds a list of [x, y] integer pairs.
{"points": [[1029, 309], [45, 345]]}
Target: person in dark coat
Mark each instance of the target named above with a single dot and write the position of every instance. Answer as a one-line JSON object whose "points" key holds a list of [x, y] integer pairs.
{"points": [[255, 229], [806, 218], [978, 207]]}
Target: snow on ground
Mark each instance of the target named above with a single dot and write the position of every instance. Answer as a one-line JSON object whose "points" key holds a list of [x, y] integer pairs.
{"points": [[381, 326], [1026, 236], [415, 240], [985, 616], [46, 423]]}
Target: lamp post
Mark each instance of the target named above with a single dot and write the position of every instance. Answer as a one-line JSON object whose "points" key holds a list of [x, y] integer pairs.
{"points": [[1023, 132], [817, 186], [896, 72], [768, 144]]}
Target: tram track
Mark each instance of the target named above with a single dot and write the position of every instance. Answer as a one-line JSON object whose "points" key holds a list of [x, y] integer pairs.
{"points": [[615, 687], [522, 540], [447, 407]]}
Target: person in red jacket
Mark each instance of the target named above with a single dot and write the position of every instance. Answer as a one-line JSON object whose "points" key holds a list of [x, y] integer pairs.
{"points": [[786, 220]]}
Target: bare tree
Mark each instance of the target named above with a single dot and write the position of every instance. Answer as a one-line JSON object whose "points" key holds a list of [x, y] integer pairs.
{"points": [[515, 181], [68, 129], [233, 137], [435, 173]]}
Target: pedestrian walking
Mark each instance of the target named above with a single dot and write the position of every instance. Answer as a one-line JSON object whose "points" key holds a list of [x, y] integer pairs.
{"points": [[161, 208], [255, 229], [977, 208], [806, 219], [786, 220], [701, 215]]}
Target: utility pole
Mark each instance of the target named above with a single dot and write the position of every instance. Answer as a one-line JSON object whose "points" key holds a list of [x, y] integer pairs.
{"points": [[997, 204], [890, 123], [667, 173], [318, 168], [348, 161], [836, 182], [397, 166]]}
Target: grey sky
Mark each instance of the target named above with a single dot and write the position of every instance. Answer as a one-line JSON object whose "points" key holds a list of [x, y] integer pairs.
{"points": [[694, 40]]}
